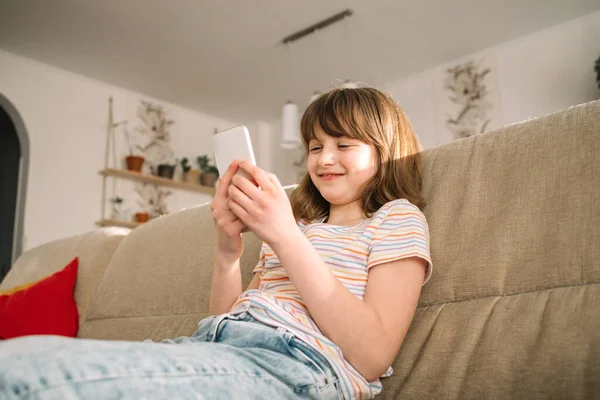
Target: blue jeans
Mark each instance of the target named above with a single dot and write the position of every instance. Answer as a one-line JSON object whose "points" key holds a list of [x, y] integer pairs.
{"points": [[225, 358]]}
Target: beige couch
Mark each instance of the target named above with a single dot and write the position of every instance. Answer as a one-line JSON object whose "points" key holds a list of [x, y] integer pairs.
{"points": [[512, 309]]}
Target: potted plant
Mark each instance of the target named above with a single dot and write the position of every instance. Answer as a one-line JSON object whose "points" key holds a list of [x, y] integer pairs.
{"points": [[208, 171], [142, 216], [134, 162], [167, 170], [190, 175]]}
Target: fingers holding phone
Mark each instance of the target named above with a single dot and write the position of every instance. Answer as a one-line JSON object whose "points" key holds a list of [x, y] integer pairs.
{"points": [[225, 181], [228, 226]]}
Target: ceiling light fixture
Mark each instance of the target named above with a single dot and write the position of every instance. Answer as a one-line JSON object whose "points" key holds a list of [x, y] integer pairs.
{"points": [[290, 125], [315, 27]]}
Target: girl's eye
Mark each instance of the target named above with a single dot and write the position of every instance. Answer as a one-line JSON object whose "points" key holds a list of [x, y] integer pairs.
{"points": [[314, 148], [343, 146]]}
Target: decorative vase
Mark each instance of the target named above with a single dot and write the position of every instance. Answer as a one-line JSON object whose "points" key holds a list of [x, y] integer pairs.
{"points": [[208, 179], [134, 163], [192, 176], [142, 217], [166, 171]]}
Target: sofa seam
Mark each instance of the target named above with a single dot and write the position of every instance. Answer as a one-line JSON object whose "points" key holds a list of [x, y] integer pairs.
{"points": [[81, 318], [508, 294], [420, 306], [145, 316], [185, 319], [93, 296]]}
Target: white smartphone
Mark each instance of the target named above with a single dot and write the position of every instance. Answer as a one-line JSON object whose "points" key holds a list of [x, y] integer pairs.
{"points": [[233, 144]]}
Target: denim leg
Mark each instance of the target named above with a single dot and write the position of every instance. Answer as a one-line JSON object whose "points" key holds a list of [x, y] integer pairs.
{"points": [[220, 361], [246, 332]]}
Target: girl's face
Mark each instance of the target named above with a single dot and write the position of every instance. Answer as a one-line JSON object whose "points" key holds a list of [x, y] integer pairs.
{"points": [[341, 167]]}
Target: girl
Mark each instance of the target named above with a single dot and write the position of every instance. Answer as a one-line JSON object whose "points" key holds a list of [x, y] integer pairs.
{"points": [[340, 273]]}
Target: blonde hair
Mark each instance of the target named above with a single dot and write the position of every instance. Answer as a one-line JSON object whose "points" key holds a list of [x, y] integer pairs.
{"points": [[371, 116]]}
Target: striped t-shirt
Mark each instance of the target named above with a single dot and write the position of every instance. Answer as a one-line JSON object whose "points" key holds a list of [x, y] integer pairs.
{"points": [[397, 230]]}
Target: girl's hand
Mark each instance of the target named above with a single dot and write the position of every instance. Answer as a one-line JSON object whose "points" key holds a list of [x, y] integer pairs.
{"points": [[266, 211], [227, 225]]}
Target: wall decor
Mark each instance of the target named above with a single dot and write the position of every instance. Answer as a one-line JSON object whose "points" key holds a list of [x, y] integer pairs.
{"points": [[152, 199], [154, 129], [467, 98]]}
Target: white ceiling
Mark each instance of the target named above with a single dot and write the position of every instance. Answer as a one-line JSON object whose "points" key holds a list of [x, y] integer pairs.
{"points": [[225, 57]]}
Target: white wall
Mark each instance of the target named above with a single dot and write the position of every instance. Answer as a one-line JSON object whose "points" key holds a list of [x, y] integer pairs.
{"points": [[66, 117], [281, 161], [537, 74], [66, 114]]}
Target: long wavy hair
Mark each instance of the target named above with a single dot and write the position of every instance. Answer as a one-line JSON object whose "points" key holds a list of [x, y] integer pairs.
{"points": [[374, 118]]}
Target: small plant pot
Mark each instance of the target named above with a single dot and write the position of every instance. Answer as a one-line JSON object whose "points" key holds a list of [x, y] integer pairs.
{"points": [[208, 179], [192, 176], [142, 217], [134, 163], [166, 171]]}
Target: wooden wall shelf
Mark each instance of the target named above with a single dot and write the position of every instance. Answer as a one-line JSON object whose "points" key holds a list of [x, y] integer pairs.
{"points": [[119, 173], [157, 180]]}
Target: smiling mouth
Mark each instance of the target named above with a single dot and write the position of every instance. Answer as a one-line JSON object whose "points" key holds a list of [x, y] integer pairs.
{"points": [[328, 177]]}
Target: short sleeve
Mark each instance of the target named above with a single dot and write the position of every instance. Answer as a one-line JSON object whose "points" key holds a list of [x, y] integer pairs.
{"points": [[402, 233], [260, 266]]}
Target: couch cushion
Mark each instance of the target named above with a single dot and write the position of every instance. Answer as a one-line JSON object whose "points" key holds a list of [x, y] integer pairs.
{"points": [[158, 282], [538, 345]]}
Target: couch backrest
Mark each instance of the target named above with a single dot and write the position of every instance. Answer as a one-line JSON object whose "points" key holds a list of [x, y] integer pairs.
{"points": [[513, 307], [157, 283]]}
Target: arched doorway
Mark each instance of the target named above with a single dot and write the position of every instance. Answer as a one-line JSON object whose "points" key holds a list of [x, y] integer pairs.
{"points": [[14, 162]]}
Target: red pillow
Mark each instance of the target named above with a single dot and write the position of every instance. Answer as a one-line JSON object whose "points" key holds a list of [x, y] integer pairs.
{"points": [[44, 308]]}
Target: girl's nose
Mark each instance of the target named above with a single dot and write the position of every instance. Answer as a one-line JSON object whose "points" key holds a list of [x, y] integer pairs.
{"points": [[327, 157]]}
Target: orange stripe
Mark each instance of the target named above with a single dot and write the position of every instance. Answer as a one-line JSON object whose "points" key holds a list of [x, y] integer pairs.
{"points": [[350, 273], [403, 214], [357, 252], [283, 278], [289, 298], [344, 238], [351, 279], [412, 233], [319, 236], [398, 259], [244, 300], [404, 234], [357, 386]]}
